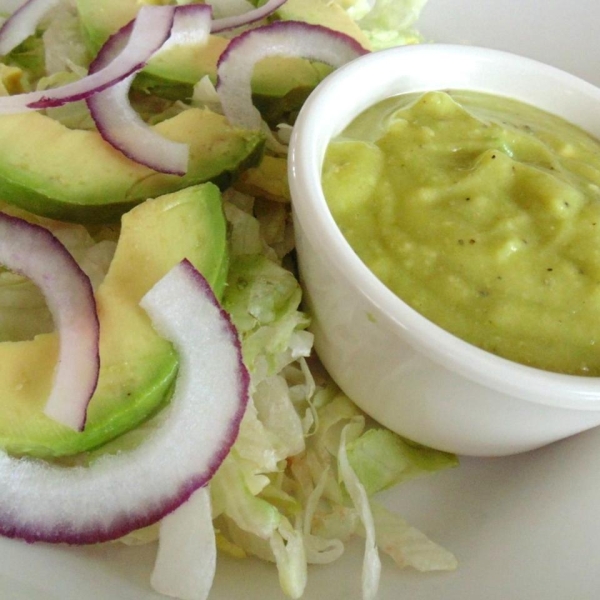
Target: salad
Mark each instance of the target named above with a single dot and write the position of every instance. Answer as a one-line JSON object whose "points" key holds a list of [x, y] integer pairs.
{"points": [[289, 466]]}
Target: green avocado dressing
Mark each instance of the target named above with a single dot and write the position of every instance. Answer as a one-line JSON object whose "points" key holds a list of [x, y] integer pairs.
{"points": [[483, 214]]}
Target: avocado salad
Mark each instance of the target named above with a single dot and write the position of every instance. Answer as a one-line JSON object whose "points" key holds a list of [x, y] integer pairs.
{"points": [[299, 480]]}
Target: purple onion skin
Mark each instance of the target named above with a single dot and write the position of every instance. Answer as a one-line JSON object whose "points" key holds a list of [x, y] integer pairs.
{"points": [[51, 245], [49, 102], [290, 28], [98, 532], [95, 531], [113, 45], [253, 16]]}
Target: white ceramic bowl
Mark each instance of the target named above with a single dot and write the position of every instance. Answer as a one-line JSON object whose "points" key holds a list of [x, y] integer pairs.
{"points": [[400, 368]]}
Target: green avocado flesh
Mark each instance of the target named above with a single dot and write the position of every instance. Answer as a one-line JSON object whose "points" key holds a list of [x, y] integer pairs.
{"points": [[138, 367], [74, 175]]}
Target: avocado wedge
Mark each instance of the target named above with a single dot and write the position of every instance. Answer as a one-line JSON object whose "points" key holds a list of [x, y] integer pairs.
{"points": [[74, 175], [138, 367]]}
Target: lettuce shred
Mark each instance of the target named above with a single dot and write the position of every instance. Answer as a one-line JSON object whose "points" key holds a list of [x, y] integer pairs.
{"points": [[386, 22], [299, 481]]}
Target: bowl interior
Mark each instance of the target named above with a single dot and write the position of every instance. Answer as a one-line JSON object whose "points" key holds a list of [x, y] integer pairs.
{"points": [[377, 76]]}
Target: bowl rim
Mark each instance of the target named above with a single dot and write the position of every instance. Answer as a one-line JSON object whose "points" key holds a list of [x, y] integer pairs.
{"points": [[419, 68]]}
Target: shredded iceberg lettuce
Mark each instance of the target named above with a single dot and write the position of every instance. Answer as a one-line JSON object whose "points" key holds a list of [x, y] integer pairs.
{"points": [[407, 546], [297, 485], [29, 57], [386, 23], [399, 15], [382, 459], [358, 494], [57, 47], [65, 49]]}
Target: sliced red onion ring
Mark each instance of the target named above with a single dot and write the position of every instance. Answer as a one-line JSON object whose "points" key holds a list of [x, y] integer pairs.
{"points": [[283, 38], [119, 124], [248, 17], [121, 492], [151, 28], [23, 22], [35, 253]]}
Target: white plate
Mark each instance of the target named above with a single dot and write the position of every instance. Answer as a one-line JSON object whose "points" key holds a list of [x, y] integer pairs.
{"points": [[523, 528]]}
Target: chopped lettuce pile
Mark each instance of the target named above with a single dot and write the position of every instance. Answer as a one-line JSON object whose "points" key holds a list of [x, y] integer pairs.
{"points": [[297, 485], [386, 23], [299, 482], [302, 475]]}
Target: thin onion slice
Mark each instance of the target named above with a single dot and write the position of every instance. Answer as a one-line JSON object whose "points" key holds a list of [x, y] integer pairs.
{"points": [[187, 550], [189, 25], [248, 17], [119, 124], [281, 38], [151, 28], [34, 252], [228, 8], [23, 22], [121, 492]]}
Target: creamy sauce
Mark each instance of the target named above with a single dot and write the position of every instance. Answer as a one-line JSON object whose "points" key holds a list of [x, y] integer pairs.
{"points": [[481, 213]]}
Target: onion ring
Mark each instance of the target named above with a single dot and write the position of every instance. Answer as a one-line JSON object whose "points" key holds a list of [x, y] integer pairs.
{"points": [[282, 38], [32, 251], [117, 121], [125, 491]]}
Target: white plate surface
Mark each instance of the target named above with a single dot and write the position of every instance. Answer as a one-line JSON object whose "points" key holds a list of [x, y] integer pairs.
{"points": [[523, 528]]}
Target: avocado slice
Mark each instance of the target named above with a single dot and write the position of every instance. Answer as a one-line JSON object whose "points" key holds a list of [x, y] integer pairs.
{"points": [[74, 175], [138, 367], [268, 180]]}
